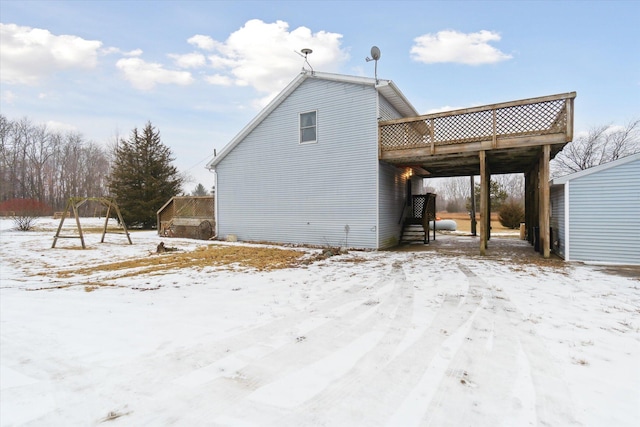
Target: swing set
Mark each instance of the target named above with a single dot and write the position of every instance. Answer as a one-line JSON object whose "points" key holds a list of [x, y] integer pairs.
{"points": [[74, 203]]}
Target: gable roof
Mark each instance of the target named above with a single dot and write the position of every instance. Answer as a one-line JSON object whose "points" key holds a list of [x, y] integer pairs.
{"points": [[386, 88], [595, 169]]}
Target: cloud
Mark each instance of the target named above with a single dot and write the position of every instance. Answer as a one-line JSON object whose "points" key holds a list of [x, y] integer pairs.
{"points": [[219, 80], [27, 55], [263, 55], [60, 127], [145, 75], [442, 109], [203, 42], [189, 60], [115, 50], [135, 52], [453, 46], [7, 97]]}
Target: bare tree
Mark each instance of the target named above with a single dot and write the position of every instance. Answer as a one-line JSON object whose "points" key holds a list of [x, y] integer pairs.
{"points": [[452, 192], [602, 144], [38, 164], [513, 184]]}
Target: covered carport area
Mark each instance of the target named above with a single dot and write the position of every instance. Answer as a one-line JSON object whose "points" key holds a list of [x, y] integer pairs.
{"points": [[511, 137]]}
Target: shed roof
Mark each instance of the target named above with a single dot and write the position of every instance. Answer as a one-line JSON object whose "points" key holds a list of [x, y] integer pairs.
{"points": [[564, 179], [386, 88]]}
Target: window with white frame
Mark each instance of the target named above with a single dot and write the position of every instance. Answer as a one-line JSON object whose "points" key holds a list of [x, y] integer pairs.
{"points": [[308, 131]]}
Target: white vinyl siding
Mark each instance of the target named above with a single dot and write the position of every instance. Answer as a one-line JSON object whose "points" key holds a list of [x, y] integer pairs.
{"points": [[273, 189], [386, 110], [391, 191], [392, 195], [604, 215]]}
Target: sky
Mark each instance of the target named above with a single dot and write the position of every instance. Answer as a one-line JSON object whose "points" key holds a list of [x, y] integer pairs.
{"points": [[199, 71]]}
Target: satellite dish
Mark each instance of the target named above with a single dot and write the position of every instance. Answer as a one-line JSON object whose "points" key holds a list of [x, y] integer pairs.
{"points": [[305, 52], [375, 53]]}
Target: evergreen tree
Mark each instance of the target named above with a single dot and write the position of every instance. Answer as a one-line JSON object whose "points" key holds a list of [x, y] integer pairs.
{"points": [[497, 195], [142, 178], [199, 191]]}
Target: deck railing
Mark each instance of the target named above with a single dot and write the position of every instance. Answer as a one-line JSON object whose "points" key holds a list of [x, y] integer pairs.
{"points": [[528, 117]]}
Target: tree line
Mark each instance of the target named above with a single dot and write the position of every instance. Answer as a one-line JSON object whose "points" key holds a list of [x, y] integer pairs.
{"points": [[40, 169], [49, 166]]}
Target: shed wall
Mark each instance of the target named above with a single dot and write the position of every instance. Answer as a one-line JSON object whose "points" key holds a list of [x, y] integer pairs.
{"points": [[272, 188], [604, 215]]}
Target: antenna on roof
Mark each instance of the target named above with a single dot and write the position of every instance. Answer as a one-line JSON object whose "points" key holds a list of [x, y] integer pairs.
{"points": [[305, 52], [375, 55]]}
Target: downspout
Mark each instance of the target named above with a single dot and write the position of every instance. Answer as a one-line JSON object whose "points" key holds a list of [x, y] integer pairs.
{"points": [[215, 203]]}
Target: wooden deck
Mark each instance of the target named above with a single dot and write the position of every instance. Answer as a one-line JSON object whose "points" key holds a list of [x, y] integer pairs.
{"points": [[448, 143], [511, 137]]}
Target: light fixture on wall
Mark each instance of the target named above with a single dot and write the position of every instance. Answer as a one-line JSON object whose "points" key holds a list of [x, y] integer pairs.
{"points": [[409, 172]]}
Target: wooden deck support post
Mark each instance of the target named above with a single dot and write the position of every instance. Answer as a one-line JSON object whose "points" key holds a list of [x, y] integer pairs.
{"points": [[484, 203], [545, 246], [487, 190], [472, 186]]}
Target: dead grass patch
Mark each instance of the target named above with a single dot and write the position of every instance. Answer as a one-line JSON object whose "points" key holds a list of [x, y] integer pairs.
{"points": [[463, 221], [258, 258]]}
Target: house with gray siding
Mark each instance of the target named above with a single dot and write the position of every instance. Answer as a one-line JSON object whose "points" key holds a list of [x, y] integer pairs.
{"points": [[306, 169], [595, 213]]}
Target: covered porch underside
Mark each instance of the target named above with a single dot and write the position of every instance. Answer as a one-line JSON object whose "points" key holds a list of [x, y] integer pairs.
{"points": [[512, 137]]}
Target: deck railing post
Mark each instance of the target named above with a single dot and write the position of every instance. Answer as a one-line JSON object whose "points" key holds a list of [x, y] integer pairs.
{"points": [[431, 135], [569, 113], [494, 139]]}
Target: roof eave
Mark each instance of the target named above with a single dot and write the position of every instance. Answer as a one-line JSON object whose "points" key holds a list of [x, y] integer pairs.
{"points": [[257, 119], [394, 95], [564, 179]]}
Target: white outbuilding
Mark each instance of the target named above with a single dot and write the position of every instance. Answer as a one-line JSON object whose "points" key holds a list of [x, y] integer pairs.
{"points": [[595, 213]]}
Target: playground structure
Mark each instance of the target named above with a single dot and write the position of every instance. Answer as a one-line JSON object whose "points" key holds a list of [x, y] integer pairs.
{"points": [[71, 208]]}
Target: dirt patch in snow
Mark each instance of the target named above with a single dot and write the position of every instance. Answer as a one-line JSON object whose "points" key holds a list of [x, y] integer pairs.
{"points": [[258, 258]]}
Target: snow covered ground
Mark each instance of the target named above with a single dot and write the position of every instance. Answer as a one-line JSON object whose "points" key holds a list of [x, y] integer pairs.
{"points": [[439, 337]]}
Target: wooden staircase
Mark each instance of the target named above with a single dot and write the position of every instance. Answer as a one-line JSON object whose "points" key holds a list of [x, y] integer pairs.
{"points": [[415, 226]]}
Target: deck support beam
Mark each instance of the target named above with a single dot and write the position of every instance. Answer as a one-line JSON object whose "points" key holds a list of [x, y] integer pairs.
{"points": [[543, 179], [472, 186], [484, 203]]}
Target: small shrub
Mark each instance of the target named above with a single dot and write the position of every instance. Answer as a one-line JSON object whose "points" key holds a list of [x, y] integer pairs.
{"points": [[511, 214], [24, 222], [25, 212]]}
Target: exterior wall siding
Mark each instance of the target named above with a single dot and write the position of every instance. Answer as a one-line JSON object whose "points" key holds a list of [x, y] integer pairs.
{"points": [[558, 220], [391, 199], [391, 191], [604, 215], [272, 188]]}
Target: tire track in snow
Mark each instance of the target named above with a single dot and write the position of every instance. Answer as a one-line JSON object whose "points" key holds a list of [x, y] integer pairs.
{"points": [[342, 388], [301, 382], [263, 355], [369, 393], [527, 389], [487, 356]]}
